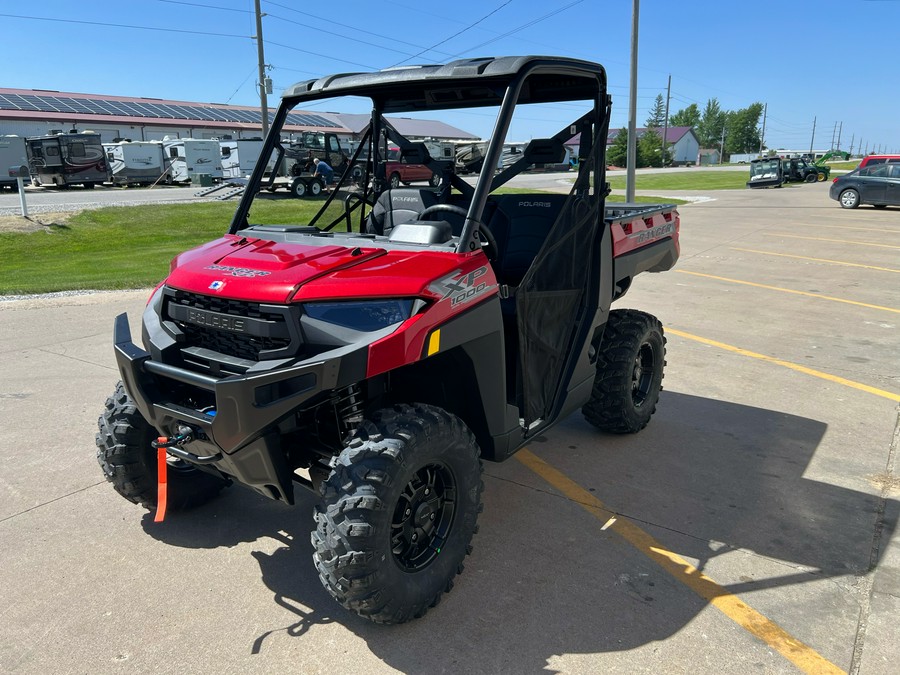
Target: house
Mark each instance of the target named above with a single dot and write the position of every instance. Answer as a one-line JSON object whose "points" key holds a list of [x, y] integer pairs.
{"points": [[681, 142], [708, 157]]}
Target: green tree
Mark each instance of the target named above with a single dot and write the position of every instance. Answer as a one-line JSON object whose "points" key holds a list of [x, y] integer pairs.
{"points": [[649, 149], [686, 117], [617, 153], [742, 129], [657, 113], [712, 122]]}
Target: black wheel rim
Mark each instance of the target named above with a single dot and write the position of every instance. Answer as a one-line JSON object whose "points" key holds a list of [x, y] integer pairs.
{"points": [[642, 374], [423, 517]]}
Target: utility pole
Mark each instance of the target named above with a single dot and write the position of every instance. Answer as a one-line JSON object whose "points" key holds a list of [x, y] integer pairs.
{"points": [[852, 138], [722, 146], [762, 137], [840, 129], [263, 101], [813, 139], [631, 152], [662, 158], [833, 134]]}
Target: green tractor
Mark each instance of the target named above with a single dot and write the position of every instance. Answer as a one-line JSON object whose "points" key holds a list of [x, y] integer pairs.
{"points": [[824, 171]]}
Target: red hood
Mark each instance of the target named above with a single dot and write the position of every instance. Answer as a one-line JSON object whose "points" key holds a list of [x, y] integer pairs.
{"points": [[265, 271]]}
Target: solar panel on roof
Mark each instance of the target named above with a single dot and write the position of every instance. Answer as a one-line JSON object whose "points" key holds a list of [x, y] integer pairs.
{"points": [[93, 106]]}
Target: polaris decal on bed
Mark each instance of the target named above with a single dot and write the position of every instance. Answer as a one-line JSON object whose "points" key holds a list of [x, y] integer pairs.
{"points": [[237, 271], [463, 288], [652, 233]]}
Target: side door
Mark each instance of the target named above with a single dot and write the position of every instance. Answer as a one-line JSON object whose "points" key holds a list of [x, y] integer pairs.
{"points": [[873, 183], [892, 190]]}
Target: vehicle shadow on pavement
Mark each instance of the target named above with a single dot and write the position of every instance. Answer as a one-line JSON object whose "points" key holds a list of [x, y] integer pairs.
{"points": [[720, 484]]}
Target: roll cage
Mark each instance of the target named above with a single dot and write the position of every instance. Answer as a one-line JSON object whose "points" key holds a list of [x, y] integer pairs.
{"points": [[471, 83]]}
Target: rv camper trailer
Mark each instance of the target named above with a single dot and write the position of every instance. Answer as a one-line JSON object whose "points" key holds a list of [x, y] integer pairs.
{"points": [[239, 157], [12, 153], [63, 159], [189, 157], [137, 162]]}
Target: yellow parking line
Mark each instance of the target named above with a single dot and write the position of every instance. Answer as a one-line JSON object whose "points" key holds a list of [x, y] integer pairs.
{"points": [[840, 241], [787, 364], [861, 229], [801, 655], [824, 260], [789, 290]]}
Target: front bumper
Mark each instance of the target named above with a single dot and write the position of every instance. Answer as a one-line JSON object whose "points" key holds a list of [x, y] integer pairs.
{"points": [[240, 436]]}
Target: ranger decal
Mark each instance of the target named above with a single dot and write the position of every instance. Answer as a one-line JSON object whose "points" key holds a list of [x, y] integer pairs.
{"points": [[652, 233], [237, 271]]}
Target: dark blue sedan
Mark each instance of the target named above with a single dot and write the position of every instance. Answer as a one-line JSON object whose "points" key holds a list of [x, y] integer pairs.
{"points": [[875, 184]]}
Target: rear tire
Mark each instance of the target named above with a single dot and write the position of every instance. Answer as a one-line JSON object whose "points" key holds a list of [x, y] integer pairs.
{"points": [[811, 178], [435, 180], [849, 198], [129, 462], [398, 513], [629, 376], [299, 188], [315, 187]]}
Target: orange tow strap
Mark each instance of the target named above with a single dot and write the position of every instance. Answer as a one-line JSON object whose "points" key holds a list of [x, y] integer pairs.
{"points": [[161, 481]]}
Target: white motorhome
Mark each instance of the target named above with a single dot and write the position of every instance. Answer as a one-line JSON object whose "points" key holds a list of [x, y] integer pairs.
{"points": [[137, 162], [12, 153], [239, 157], [189, 157]]}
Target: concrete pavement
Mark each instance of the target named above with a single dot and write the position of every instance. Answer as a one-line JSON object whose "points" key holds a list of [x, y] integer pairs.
{"points": [[768, 474]]}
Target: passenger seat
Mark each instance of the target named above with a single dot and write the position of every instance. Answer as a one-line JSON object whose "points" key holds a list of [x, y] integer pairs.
{"points": [[398, 206]]}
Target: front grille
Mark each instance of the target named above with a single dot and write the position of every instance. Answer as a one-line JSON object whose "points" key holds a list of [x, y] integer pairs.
{"points": [[269, 320]]}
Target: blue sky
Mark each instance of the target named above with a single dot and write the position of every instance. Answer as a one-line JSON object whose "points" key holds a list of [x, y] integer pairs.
{"points": [[835, 61]]}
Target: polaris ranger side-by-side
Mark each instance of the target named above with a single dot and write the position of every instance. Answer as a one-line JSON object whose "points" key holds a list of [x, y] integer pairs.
{"points": [[377, 353]]}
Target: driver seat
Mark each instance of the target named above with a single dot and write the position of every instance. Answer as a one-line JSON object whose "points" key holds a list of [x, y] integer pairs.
{"points": [[396, 207]]}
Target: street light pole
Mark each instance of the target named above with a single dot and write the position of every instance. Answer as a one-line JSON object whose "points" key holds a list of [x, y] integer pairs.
{"points": [[631, 153], [263, 101]]}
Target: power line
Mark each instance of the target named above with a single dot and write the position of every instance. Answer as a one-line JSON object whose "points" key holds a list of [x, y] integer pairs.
{"points": [[356, 29], [123, 25], [458, 33], [328, 32], [197, 4], [522, 27], [367, 67]]}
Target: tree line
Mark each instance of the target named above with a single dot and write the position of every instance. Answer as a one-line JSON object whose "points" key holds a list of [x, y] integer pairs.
{"points": [[739, 128]]}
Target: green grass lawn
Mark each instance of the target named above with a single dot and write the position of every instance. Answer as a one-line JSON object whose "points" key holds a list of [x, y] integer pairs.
{"points": [[848, 166], [123, 247], [686, 180], [131, 246]]}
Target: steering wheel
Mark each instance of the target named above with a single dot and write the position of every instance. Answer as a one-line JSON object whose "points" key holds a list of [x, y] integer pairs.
{"points": [[483, 230]]}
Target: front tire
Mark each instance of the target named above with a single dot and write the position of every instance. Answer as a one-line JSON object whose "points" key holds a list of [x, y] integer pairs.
{"points": [[394, 181], [435, 180], [849, 198], [398, 513], [820, 177], [129, 461], [629, 375]]}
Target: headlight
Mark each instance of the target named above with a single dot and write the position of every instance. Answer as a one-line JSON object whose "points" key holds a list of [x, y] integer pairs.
{"points": [[367, 316]]}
